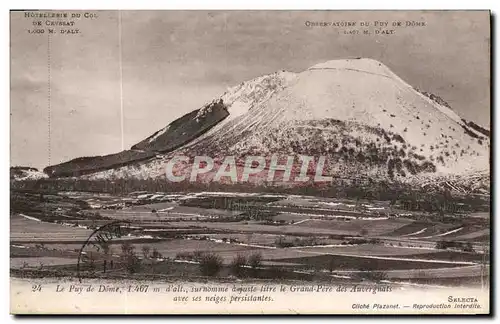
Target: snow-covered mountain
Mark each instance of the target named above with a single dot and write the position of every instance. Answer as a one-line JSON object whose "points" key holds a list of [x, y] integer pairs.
{"points": [[19, 173], [364, 118]]}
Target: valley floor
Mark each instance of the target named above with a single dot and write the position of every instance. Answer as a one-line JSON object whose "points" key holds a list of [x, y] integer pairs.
{"points": [[224, 236]]}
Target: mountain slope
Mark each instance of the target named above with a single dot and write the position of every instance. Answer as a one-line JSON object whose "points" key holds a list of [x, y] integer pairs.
{"points": [[184, 129], [174, 135], [19, 173], [361, 116]]}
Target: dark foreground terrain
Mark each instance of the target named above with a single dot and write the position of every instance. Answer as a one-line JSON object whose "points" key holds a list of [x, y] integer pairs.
{"points": [[244, 236]]}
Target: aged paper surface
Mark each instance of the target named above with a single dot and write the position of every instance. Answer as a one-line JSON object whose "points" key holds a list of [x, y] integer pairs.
{"points": [[250, 162]]}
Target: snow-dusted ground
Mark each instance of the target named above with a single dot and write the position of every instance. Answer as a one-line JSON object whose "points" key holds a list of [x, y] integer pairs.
{"points": [[417, 232], [30, 217], [393, 258], [442, 234], [30, 175]]}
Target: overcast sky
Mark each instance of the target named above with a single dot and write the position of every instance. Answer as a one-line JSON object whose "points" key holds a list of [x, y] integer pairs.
{"points": [[174, 62]]}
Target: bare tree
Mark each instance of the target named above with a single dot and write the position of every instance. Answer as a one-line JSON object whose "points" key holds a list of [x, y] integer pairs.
{"points": [[485, 265], [129, 257], [238, 264], [155, 254], [127, 248], [105, 249], [145, 251], [331, 264], [255, 260]]}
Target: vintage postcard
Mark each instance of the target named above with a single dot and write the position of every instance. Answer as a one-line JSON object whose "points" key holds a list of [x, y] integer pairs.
{"points": [[250, 162]]}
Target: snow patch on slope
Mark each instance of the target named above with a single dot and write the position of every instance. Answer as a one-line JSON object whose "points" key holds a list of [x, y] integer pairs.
{"points": [[159, 133], [29, 175], [242, 98]]}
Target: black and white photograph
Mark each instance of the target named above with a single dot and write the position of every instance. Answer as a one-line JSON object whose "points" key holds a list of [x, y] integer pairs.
{"points": [[250, 162]]}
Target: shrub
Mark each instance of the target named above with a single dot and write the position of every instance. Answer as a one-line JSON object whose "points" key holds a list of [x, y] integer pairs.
{"points": [[281, 243], [132, 263], [210, 264], [427, 167], [155, 254], [146, 251], [468, 247], [419, 157], [127, 248], [410, 166], [184, 256], [130, 259], [238, 264], [197, 255], [399, 138], [276, 273], [370, 274], [255, 260], [441, 245]]}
